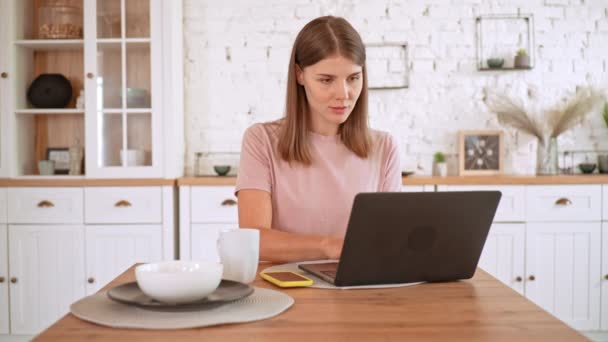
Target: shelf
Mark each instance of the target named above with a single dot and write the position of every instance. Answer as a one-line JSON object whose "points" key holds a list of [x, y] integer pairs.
{"points": [[131, 43], [504, 69], [50, 111], [51, 44], [492, 27], [128, 111], [119, 40]]}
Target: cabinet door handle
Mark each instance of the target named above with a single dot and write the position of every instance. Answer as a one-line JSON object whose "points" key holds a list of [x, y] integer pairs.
{"points": [[91, 280], [563, 201], [122, 204], [14, 280], [90, 75], [531, 278], [1, 280], [45, 204], [518, 279], [228, 202], [4, 75]]}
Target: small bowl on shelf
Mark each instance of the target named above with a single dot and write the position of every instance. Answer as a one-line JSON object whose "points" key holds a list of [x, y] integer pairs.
{"points": [[495, 63], [221, 170], [587, 167]]}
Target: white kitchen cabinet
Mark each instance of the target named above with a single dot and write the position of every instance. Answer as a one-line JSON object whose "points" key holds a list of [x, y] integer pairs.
{"points": [[412, 188], [563, 271], [46, 274], [3, 206], [4, 280], [40, 205], [503, 254], [4, 96], [213, 204], [511, 205], [127, 58], [123, 205], [110, 250], [563, 203], [205, 211], [56, 264], [604, 310]]}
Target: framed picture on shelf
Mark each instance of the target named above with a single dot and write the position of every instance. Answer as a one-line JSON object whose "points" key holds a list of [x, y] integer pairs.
{"points": [[61, 156], [480, 153]]}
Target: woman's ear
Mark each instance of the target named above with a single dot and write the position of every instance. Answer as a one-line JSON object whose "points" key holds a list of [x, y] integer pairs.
{"points": [[299, 77]]}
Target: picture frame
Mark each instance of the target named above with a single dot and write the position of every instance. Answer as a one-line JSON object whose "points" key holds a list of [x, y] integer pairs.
{"points": [[480, 152], [61, 156]]}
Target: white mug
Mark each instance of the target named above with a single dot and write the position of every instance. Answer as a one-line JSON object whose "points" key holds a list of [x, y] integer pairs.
{"points": [[239, 251]]}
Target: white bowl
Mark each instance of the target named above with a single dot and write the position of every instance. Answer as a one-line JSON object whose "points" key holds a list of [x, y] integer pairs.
{"points": [[178, 282]]}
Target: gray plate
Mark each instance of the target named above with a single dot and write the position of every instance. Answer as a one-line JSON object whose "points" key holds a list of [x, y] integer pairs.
{"points": [[227, 291]]}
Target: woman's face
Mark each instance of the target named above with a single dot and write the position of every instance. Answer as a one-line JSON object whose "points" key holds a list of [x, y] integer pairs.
{"points": [[332, 87]]}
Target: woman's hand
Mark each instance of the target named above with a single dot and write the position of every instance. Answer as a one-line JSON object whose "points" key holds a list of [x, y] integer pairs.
{"points": [[332, 247]]}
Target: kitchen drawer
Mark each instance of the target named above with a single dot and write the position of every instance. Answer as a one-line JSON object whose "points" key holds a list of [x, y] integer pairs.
{"points": [[563, 202], [3, 206], [511, 206], [605, 207], [123, 205], [412, 188], [213, 204], [45, 205]]}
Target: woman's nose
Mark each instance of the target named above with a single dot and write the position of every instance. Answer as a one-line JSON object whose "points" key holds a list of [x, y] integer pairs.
{"points": [[342, 91]]}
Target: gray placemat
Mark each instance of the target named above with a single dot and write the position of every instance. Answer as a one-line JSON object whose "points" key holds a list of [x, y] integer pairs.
{"points": [[322, 284], [262, 304]]}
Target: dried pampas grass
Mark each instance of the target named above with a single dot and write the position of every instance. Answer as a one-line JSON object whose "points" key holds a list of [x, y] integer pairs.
{"points": [[560, 119]]}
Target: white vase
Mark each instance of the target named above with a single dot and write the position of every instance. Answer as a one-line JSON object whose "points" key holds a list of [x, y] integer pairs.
{"points": [[440, 169]]}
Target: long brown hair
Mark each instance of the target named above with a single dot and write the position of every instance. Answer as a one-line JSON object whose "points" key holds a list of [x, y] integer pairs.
{"points": [[322, 38]]}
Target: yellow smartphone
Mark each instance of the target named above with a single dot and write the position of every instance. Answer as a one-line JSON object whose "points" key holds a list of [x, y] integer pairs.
{"points": [[286, 279]]}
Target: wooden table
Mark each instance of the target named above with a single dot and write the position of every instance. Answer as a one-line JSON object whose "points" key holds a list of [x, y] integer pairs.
{"points": [[480, 309]]}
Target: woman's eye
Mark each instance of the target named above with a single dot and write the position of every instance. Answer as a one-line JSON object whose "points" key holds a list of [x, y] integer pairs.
{"points": [[325, 80], [354, 78]]}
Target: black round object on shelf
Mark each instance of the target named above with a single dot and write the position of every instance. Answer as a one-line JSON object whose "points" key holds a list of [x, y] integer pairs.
{"points": [[50, 91]]}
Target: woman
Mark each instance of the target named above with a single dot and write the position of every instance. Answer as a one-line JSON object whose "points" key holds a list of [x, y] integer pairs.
{"points": [[298, 176]]}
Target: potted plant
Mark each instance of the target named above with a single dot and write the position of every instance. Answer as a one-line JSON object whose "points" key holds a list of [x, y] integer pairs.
{"points": [[602, 159], [522, 60], [440, 167]]}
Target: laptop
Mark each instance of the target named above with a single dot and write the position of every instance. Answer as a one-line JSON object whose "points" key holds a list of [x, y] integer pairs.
{"points": [[405, 237]]}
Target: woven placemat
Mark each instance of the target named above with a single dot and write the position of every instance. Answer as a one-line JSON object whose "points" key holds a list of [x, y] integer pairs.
{"points": [[322, 284], [262, 304]]}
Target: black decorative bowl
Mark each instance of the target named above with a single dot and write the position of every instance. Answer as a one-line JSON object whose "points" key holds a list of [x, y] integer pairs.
{"points": [[50, 91], [587, 167], [495, 63], [221, 170]]}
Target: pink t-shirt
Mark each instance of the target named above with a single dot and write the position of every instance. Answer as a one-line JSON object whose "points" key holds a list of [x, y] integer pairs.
{"points": [[316, 199]]}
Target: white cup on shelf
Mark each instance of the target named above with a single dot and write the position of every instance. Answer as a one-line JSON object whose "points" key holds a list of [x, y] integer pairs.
{"points": [[132, 157]]}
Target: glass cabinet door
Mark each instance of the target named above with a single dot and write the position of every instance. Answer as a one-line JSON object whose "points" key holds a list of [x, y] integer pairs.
{"points": [[122, 88], [4, 73]]}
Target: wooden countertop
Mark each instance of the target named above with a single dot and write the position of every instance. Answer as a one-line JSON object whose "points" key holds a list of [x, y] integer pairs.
{"points": [[81, 181], [450, 180], [231, 180], [480, 309]]}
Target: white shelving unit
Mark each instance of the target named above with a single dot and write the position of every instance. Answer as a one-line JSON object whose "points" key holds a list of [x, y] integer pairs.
{"points": [[128, 125]]}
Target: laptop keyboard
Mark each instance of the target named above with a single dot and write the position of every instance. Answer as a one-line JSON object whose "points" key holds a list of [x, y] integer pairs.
{"points": [[331, 274]]}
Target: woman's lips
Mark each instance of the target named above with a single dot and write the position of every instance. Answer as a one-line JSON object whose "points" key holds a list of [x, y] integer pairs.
{"points": [[338, 110]]}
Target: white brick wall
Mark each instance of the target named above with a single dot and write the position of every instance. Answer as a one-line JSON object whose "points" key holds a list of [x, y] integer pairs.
{"points": [[237, 53]]}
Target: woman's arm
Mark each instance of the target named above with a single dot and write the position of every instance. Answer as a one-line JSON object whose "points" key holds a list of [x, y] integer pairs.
{"points": [[255, 211]]}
